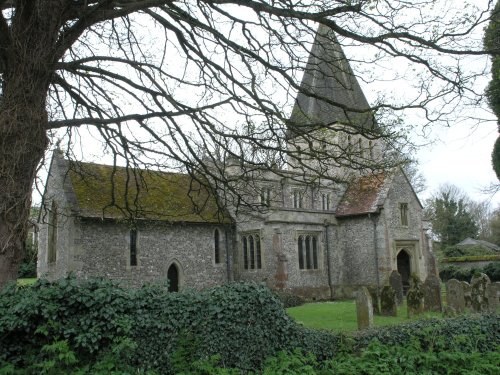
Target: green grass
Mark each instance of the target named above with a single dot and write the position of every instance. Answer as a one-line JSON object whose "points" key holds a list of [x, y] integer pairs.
{"points": [[340, 316], [22, 282]]}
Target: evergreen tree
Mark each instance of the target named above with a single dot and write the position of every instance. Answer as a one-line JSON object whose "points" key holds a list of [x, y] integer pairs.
{"points": [[450, 213], [492, 44]]}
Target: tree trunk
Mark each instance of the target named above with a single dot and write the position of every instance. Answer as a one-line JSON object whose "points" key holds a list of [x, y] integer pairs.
{"points": [[23, 142], [29, 58]]}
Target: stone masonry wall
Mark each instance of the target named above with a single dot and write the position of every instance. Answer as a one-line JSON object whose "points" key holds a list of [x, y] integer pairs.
{"points": [[57, 191], [411, 236], [354, 261], [103, 249], [285, 227]]}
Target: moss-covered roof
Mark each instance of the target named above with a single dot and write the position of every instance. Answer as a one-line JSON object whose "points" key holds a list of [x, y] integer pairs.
{"points": [[362, 196], [105, 191]]}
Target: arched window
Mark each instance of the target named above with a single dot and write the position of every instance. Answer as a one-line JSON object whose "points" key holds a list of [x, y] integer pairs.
{"points": [[245, 253], [301, 252], [133, 248], [252, 254], [325, 201], [173, 278], [403, 214], [52, 234], [307, 247], [216, 246]]}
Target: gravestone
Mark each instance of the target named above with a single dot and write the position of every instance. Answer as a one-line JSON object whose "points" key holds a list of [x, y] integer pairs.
{"points": [[432, 294], [467, 294], [374, 293], [455, 296], [388, 303], [364, 309], [478, 286], [493, 295], [415, 297], [396, 283]]}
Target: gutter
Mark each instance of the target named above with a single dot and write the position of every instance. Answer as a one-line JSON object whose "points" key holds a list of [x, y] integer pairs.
{"points": [[327, 245]]}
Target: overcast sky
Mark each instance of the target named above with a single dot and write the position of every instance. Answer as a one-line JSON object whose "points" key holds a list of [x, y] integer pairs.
{"points": [[461, 156]]}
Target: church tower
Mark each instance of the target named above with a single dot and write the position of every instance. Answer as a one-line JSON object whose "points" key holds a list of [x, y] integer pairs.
{"points": [[331, 130]]}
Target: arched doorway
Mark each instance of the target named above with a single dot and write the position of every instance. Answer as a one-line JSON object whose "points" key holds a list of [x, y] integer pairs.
{"points": [[404, 268], [173, 278]]}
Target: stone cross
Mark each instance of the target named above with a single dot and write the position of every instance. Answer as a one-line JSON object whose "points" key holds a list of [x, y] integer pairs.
{"points": [[455, 296], [364, 309], [478, 286], [396, 283], [432, 293], [388, 303]]}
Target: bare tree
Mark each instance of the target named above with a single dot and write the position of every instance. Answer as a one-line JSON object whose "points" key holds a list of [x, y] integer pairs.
{"points": [[113, 66]]}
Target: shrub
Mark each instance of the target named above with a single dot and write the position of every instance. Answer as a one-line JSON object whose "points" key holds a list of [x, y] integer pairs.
{"points": [[453, 251], [289, 299], [27, 270], [477, 250], [465, 274], [466, 333], [454, 272], [493, 271]]}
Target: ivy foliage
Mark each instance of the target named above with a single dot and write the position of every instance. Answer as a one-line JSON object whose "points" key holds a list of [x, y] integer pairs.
{"points": [[240, 323]]}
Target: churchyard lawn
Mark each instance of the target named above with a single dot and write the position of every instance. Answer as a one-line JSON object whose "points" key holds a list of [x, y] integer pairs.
{"points": [[340, 316]]}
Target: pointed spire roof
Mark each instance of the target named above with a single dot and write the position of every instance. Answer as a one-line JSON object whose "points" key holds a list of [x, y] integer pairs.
{"points": [[329, 91]]}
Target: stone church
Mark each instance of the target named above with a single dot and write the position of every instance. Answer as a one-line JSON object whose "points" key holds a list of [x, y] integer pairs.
{"points": [[319, 241]]}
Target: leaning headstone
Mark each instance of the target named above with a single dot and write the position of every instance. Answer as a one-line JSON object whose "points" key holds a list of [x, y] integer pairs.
{"points": [[478, 285], [455, 296], [364, 309], [432, 294], [415, 297], [493, 296], [396, 283], [388, 305], [374, 293], [467, 294]]}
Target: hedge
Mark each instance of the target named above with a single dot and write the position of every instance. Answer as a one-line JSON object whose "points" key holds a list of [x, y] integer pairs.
{"points": [[471, 258]]}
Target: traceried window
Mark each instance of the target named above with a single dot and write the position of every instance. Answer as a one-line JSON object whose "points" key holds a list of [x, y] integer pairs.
{"points": [[297, 199], [265, 197], [325, 201], [52, 234], [252, 254], [403, 210], [216, 246], [133, 248], [307, 245]]}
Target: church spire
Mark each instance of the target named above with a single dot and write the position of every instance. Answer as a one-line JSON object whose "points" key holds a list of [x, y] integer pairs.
{"points": [[329, 91]]}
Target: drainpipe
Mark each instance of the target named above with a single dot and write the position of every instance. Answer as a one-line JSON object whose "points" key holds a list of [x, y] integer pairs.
{"points": [[228, 261], [327, 245], [375, 245]]}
